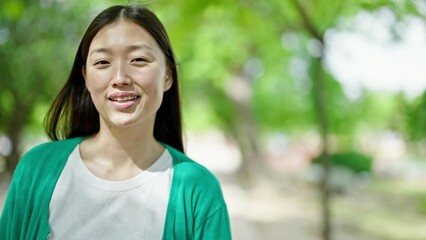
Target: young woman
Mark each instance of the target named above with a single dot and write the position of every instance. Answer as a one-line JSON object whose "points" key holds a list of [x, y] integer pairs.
{"points": [[116, 168]]}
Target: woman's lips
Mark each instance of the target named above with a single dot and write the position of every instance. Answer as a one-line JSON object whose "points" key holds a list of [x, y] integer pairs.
{"points": [[122, 101]]}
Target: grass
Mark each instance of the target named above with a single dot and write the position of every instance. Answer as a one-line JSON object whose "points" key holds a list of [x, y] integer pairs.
{"points": [[386, 209]]}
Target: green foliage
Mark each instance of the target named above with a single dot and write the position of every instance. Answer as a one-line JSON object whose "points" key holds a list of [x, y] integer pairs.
{"points": [[219, 48], [353, 161], [266, 43], [12, 10], [39, 39], [400, 8], [415, 118]]}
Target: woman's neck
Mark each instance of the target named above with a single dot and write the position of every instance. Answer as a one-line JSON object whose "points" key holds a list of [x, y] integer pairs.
{"points": [[120, 153]]}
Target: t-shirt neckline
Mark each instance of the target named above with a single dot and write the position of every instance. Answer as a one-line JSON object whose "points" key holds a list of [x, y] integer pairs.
{"points": [[163, 163]]}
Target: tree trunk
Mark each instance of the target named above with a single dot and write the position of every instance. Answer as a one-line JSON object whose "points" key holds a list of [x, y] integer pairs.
{"points": [[321, 112], [247, 138], [244, 130]]}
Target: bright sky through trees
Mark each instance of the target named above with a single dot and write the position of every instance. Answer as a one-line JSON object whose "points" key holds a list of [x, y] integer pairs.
{"points": [[369, 56]]}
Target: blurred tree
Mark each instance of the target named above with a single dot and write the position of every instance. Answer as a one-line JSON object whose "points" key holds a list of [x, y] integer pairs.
{"points": [[412, 122], [38, 39], [332, 108], [225, 51], [415, 118]]}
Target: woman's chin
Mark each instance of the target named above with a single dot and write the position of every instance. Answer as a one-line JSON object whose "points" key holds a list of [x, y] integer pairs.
{"points": [[121, 123], [128, 121]]}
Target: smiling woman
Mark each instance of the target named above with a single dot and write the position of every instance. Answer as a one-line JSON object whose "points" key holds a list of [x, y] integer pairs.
{"points": [[116, 168]]}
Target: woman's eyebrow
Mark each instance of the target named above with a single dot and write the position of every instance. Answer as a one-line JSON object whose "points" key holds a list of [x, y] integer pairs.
{"points": [[130, 48], [100, 50], [140, 46]]}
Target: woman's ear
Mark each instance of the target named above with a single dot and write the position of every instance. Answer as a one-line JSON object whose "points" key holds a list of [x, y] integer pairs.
{"points": [[168, 81]]}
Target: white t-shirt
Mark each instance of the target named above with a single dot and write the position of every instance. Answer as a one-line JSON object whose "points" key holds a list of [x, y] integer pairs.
{"points": [[84, 206]]}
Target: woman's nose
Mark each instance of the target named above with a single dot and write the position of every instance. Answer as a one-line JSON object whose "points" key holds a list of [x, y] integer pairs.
{"points": [[120, 76]]}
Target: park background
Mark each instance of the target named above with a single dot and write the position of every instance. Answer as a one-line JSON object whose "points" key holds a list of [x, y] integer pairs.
{"points": [[312, 114]]}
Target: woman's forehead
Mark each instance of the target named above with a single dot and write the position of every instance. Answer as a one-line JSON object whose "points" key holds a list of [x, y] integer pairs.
{"points": [[123, 31]]}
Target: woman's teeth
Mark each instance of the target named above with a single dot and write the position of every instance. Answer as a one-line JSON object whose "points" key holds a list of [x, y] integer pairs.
{"points": [[124, 99]]}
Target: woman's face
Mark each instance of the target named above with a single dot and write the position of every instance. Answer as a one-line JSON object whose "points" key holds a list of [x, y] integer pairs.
{"points": [[126, 75]]}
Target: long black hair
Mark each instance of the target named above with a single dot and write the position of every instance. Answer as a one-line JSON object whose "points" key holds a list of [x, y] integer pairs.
{"points": [[73, 114]]}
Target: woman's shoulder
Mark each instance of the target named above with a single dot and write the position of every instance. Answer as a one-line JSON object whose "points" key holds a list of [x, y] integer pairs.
{"points": [[191, 173], [52, 147], [48, 152], [196, 185]]}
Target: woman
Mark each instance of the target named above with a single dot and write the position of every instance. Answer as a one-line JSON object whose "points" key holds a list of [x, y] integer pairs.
{"points": [[116, 168]]}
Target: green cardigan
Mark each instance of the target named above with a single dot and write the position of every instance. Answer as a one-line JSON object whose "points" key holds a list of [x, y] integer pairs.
{"points": [[196, 208]]}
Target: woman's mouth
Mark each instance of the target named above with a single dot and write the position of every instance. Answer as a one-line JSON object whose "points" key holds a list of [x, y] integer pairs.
{"points": [[124, 102], [123, 99]]}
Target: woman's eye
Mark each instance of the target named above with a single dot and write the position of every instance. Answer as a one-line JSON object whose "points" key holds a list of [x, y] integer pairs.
{"points": [[139, 60], [101, 62]]}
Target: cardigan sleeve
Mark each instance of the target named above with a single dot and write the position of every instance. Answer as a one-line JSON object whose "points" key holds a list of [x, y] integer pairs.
{"points": [[12, 217], [26, 209], [210, 211], [215, 226], [197, 205]]}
